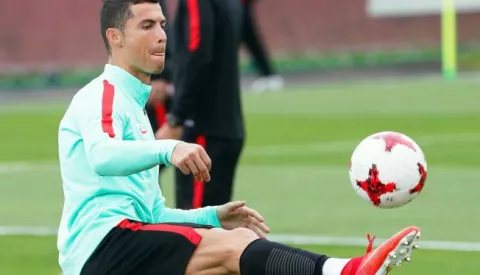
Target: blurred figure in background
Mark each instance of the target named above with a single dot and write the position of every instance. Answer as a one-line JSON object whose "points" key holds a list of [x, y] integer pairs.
{"points": [[268, 79], [206, 106]]}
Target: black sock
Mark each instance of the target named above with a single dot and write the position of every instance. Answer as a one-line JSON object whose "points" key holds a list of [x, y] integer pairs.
{"points": [[263, 257]]}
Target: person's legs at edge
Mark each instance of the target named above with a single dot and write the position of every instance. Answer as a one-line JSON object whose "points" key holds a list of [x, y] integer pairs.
{"points": [[225, 153], [268, 77]]}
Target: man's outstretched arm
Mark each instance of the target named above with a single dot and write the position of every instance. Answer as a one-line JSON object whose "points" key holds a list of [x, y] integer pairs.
{"points": [[112, 157], [206, 215]]}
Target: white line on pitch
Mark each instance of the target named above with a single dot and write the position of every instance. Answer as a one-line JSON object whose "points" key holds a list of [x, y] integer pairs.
{"points": [[271, 150], [284, 238]]}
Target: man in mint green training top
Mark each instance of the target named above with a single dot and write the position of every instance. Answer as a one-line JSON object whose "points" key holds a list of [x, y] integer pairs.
{"points": [[114, 219]]}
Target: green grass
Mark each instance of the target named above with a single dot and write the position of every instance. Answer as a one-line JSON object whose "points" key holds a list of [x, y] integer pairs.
{"points": [[294, 168], [22, 259]]}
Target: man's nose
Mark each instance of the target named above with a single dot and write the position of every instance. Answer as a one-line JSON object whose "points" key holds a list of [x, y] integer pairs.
{"points": [[161, 35]]}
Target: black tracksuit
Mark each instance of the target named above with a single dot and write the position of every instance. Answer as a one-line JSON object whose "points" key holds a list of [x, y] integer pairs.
{"points": [[207, 36]]}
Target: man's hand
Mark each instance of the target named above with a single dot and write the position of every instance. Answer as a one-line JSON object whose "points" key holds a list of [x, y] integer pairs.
{"points": [[169, 132], [192, 158], [236, 214]]}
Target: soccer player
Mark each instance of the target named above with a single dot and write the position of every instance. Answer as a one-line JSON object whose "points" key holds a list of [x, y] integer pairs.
{"points": [[206, 107], [114, 219]]}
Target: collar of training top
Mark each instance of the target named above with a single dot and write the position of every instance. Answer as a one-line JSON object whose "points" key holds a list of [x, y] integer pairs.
{"points": [[128, 83]]}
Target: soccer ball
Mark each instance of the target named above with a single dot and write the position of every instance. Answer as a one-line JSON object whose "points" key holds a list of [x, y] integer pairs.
{"points": [[388, 169]]}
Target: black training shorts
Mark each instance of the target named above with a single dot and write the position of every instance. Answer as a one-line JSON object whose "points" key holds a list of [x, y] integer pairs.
{"points": [[134, 247]]}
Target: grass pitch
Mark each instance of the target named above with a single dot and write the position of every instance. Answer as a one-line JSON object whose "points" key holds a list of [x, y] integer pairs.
{"points": [[294, 168]]}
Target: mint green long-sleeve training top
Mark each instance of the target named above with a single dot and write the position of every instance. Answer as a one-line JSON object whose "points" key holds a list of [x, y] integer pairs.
{"points": [[109, 166]]}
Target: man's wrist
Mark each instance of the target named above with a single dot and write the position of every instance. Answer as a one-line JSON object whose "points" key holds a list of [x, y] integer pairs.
{"points": [[215, 220], [167, 146]]}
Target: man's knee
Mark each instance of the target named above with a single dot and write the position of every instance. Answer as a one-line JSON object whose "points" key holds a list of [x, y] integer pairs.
{"points": [[244, 233], [241, 237], [227, 246], [235, 244], [231, 243]]}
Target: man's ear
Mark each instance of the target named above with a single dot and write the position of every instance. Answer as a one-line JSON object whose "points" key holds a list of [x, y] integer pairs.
{"points": [[115, 37]]}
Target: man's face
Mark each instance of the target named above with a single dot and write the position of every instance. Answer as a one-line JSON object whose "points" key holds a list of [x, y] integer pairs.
{"points": [[144, 39]]}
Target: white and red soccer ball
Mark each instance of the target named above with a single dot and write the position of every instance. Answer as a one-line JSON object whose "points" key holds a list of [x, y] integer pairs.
{"points": [[388, 169]]}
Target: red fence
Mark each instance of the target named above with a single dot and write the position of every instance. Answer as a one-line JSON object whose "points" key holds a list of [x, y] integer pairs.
{"points": [[66, 32]]}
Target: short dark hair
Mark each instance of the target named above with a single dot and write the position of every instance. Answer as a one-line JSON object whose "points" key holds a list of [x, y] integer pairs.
{"points": [[115, 13]]}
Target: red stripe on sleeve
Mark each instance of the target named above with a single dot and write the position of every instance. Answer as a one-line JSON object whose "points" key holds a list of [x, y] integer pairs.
{"points": [[186, 231], [107, 108], [194, 19], [199, 186]]}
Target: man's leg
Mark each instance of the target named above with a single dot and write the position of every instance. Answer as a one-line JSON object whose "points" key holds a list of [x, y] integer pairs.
{"points": [[268, 80], [134, 247], [224, 153], [253, 42], [240, 251]]}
